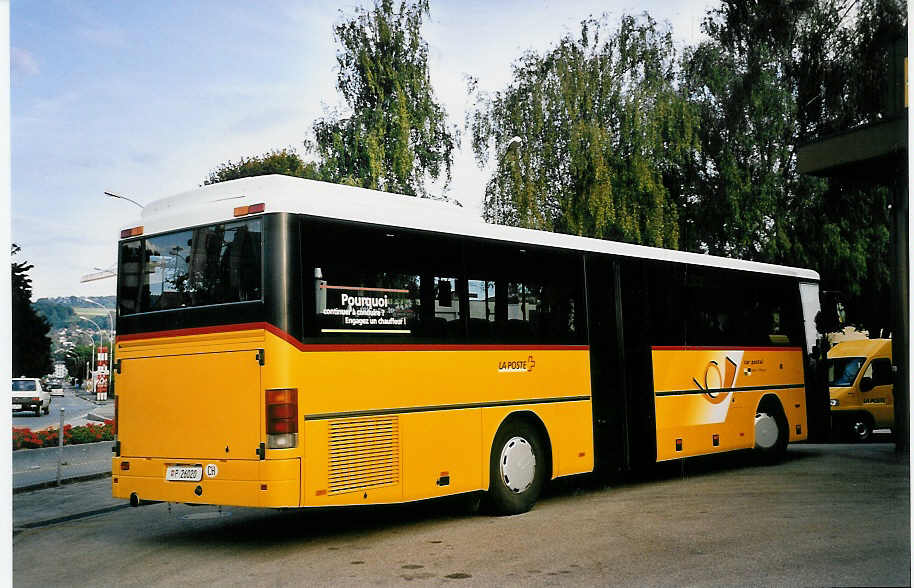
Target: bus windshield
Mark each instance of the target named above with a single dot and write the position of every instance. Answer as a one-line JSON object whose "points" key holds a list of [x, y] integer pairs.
{"points": [[215, 264], [842, 371]]}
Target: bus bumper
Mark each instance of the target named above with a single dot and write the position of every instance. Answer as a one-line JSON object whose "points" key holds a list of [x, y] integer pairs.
{"points": [[257, 483]]}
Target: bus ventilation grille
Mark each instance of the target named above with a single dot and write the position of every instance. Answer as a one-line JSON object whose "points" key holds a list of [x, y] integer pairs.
{"points": [[364, 453]]}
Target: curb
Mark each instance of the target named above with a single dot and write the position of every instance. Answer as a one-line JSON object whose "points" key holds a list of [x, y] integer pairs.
{"points": [[63, 519], [63, 481]]}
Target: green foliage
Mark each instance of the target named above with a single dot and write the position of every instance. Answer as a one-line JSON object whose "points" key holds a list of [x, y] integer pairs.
{"points": [[279, 161], [396, 135], [31, 353], [58, 315], [76, 360], [771, 76], [605, 136]]}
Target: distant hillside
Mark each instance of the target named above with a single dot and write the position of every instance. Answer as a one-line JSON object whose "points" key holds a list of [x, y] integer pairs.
{"points": [[62, 312], [77, 301]]}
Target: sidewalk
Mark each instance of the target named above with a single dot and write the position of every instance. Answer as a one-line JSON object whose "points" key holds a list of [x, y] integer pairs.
{"points": [[37, 468], [54, 505]]}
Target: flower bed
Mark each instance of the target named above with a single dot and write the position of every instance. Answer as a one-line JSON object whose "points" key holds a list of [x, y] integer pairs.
{"points": [[27, 439]]}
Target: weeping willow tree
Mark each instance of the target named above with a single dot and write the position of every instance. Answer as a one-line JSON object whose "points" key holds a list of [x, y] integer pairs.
{"points": [[395, 136], [604, 136]]}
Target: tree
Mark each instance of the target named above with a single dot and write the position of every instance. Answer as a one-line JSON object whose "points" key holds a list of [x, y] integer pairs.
{"points": [[771, 76], [278, 161], [31, 344], [605, 136], [395, 135]]}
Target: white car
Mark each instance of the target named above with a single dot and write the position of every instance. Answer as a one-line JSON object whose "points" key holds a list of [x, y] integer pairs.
{"points": [[56, 386], [27, 394]]}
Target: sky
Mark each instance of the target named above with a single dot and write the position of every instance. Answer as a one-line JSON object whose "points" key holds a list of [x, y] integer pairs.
{"points": [[144, 99]]}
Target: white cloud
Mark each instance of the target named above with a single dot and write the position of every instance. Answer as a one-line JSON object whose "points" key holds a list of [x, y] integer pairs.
{"points": [[23, 62]]}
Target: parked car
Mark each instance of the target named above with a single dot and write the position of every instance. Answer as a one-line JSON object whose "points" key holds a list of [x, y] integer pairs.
{"points": [[860, 381], [28, 394]]}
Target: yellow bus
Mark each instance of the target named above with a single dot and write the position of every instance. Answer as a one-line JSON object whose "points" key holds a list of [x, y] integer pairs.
{"points": [[289, 343]]}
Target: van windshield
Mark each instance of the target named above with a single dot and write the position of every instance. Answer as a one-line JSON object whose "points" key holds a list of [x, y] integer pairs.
{"points": [[216, 264], [842, 371]]}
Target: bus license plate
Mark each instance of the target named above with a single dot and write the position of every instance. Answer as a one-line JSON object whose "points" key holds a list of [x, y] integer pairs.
{"points": [[184, 473]]}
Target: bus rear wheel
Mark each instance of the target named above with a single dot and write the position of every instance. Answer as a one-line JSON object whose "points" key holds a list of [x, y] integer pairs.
{"points": [[771, 434], [517, 469]]}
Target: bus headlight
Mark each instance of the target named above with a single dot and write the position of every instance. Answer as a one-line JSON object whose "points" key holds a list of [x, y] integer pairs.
{"points": [[833, 402]]}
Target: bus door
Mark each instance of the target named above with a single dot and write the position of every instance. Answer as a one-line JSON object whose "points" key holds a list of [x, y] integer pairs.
{"points": [[607, 367], [208, 405]]}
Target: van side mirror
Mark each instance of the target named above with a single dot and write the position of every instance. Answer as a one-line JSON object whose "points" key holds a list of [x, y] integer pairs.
{"points": [[866, 384]]}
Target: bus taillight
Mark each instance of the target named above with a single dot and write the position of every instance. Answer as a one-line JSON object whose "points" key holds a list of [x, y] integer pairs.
{"points": [[282, 418]]}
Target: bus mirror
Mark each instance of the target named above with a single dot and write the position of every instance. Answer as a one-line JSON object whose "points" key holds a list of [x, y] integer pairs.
{"points": [[866, 384]]}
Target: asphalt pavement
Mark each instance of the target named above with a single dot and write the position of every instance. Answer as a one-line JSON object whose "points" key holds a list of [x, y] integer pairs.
{"points": [[828, 515]]}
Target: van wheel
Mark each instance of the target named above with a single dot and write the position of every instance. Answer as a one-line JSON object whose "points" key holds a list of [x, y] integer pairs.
{"points": [[38, 410], [771, 434], [517, 468], [861, 427]]}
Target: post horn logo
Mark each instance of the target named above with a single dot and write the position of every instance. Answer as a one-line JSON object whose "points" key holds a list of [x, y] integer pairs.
{"points": [[717, 384]]}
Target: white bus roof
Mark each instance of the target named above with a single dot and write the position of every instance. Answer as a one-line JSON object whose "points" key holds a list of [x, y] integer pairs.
{"points": [[216, 203]]}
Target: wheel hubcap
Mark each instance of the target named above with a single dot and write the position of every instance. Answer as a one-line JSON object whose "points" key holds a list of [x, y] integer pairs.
{"points": [[517, 464], [766, 431], [861, 430]]}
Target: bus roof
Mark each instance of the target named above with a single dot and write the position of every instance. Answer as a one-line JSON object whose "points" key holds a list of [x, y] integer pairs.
{"points": [[216, 203]]}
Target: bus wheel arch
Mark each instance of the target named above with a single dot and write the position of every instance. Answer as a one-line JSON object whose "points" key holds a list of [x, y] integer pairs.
{"points": [[772, 431], [520, 463]]}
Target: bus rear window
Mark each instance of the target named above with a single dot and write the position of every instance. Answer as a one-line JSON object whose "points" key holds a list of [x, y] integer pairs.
{"points": [[216, 264]]}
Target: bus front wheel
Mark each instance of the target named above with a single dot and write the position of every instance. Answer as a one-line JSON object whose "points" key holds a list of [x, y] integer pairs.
{"points": [[517, 468]]}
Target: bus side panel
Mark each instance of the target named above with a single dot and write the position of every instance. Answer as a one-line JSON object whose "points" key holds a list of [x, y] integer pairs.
{"points": [[390, 423], [706, 398], [568, 424]]}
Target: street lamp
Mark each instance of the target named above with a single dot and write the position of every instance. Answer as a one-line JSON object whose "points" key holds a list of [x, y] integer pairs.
{"points": [[123, 198], [515, 140], [98, 329], [91, 340], [110, 318]]}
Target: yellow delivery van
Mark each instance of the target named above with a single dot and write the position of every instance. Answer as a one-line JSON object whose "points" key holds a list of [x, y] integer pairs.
{"points": [[860, 387]]}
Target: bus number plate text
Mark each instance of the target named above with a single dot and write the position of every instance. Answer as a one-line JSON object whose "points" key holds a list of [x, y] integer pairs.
{"points": [[184, 473]]}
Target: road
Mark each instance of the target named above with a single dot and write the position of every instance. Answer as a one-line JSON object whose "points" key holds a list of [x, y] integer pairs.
{"points": [[828, 515], [75, 408]]}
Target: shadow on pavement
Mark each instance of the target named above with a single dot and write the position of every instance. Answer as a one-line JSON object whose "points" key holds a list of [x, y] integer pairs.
{"points": [[205, 526]]}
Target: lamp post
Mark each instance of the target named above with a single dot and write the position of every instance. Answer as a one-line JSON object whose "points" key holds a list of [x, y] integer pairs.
{"points": [[91, 340], [515, 140], [99, 365], [110, 318], [123, 198]]}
